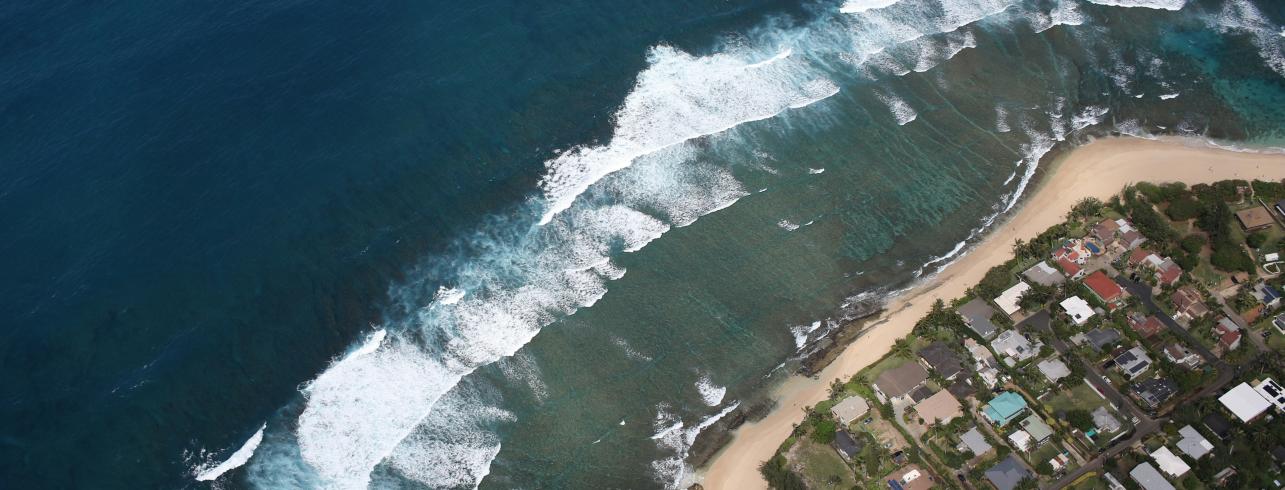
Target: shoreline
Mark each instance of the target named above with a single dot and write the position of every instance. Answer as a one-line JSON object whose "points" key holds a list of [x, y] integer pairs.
{"points": [[1099, 168]]}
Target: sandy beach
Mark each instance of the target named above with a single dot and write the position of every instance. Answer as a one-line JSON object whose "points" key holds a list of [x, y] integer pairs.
{"points": [[1098, 169]]}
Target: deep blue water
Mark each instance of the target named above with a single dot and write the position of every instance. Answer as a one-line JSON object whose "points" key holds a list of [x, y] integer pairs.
{"points": [[203, 204]]}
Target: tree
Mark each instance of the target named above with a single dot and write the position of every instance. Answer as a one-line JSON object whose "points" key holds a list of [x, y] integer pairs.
{"points": [[1036, 297], [1183, 209], [901, 347], [1256, 240], [1086, 208], [778, 475], [1193, 243], [1080, 419], [823, 431]]}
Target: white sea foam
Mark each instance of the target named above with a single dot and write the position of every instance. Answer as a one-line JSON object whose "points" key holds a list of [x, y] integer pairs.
{"points": [[1243, 16], [1001, 120], [859, 6], [901, 111], [371, 345], [787, 225], [675, 436], [815, 171], [677, 98], [711, 393], [453, 447], [448, 296], [1169, 96], [801, 333], [1150, 4], [238, 458]]}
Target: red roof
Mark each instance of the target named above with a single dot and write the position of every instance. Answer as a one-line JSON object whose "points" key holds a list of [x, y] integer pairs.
{"points": [[1138, 255], [1103, 286], [1069, 267], [1228, 338], [1148, 327], [1170, 275]]}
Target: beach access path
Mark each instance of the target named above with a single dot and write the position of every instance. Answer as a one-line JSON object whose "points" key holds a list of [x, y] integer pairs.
{"points": [[1098, 169]]}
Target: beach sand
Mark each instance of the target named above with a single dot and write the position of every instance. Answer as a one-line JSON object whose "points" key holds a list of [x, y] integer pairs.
{"points": [[1098, 169]]}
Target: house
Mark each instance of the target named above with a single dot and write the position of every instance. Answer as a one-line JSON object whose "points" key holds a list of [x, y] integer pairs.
{"points": [[961, 388], [1254, 219], [1272, 392], [1070, 268], [1279, 323], [1035, 426], [1072, 251], [1169, 462], [1059, 461], [1218, 425], [1168, 273], [1021, 440], [1102, 338], [1104, 421], [1053, 369], [849, 410], [1009, 299], [940, 408], [1044, 274], [1107, 229], [985, 362], [1154, 392], [974, 441], [909, 477], [920, 394], [1008, 473], [1015, 347], [1104, 288], [1193, 444], [977, 315], [1280, 207], [1188, 303], [1138, 256], [1037, 322], [1179, 354], [1148, 478], [1245, 403], [1228, 334], [1133, 362], [847, 446], [943, 360], [1078, 309], [1112, 482], [1267, 295], [1004, 408], [898, 382], [1146, 327]]}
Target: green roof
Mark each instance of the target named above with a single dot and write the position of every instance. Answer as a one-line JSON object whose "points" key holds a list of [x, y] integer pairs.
{"points": [[1036, 427], [1004, 407]]}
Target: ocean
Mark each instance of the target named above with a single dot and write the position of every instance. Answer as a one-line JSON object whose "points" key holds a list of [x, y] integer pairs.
{"points": [[503, 244]]}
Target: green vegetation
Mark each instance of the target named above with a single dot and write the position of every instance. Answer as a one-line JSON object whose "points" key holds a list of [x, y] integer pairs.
{"points": [[778, 475]]}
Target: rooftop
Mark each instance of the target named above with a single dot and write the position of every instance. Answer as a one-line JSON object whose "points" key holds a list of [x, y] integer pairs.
{"points": [[1054, 369], [1104, 421], [1192, 443], [939, 408], [1254, 218], [975, 442], [1008, 300], [1146, 327], [1244, 402], [1036, 427], [1106, 289], [977, 314], [901, 380], [942, 359], [1149, 479], [1078, 309], [1101, 338], [1044, 274], [1169, 462], [1007, 473], [850, 409], [1004, 407]]}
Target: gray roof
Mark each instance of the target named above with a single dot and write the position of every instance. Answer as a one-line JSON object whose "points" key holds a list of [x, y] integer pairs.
{"points": [[848, 446], [1101, 338], [1133, 361], [1039, 321], [901, 380], [1007, 473], [977, 313], [975, 441], [1054, 369], [1149, 478], [1104, 421], [941, 358], [1192, 443], [850, 409], [1044, 274]]}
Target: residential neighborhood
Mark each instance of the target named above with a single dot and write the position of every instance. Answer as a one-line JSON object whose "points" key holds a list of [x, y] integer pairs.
{"points": [[1134, 345]]}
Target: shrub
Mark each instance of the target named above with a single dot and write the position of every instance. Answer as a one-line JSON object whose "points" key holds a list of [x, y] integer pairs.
{"points": [[1080, 419], [1193, 243], [823, 431], [778, 475], [1256, 239], [1183, 209]]}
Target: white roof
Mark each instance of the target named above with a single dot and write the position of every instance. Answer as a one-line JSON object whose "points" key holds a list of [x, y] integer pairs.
{"points": [[1272, 392], [850, 409], [1272, 257], [1192, 443], [1078, 308], [1021, 439], [1244, 402], [1054, 369], [1008, 300], [1169, 462]]}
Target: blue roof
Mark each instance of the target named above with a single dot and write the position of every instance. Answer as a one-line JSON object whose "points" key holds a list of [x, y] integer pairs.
{"points": [[1269, 293], [1004, 407]]}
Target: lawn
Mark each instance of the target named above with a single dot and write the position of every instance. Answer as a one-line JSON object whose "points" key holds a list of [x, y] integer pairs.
{"points": [[821, 466], [1081, 397]]}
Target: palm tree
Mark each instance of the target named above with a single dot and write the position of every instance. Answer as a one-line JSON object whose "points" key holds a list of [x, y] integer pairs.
{"points": [[901, 347]]}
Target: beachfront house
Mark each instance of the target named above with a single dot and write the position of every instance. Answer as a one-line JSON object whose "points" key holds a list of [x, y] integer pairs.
{"points": [[849, 410], [941, 359], [847, 446], [1078, 309], [1254, 219], [977, 315], [1044, 274], [1133, 362], [897, 383], [1009, 299], [1004, 408], [1193, 444]]}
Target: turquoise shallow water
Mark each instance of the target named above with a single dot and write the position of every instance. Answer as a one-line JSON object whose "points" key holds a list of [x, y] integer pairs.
{"points": [[518, 245]]}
